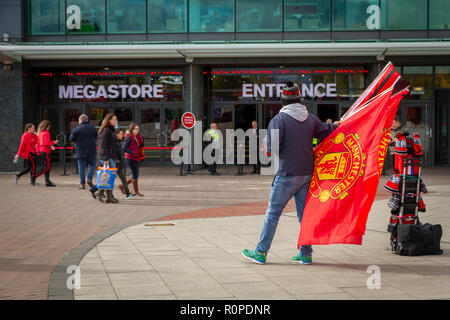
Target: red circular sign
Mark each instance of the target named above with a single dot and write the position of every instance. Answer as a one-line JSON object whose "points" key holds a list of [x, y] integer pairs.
{"points": [[188, 120]]}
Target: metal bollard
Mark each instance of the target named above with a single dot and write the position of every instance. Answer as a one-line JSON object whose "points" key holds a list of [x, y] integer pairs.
{"points": [[64, 161], [181, 164]]}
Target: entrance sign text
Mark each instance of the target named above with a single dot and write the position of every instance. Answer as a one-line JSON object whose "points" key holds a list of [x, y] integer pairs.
{"points": [[112, 91], [318, 90]]}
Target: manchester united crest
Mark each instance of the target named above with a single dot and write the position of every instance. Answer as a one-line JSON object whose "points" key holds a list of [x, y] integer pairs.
{"points": [[338, 164]]}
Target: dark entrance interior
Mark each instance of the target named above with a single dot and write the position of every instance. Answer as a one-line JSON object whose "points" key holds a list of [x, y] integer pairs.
{"points": [[328, 111], [244, 115]]}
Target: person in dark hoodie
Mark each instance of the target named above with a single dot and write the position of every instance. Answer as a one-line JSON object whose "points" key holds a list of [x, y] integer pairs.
{"points": [[296, 128], [132, 147], [107, 152], [85, 137]]}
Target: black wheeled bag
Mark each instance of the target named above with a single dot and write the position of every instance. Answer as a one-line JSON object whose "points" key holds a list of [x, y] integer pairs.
{"points": [[416, 240]]}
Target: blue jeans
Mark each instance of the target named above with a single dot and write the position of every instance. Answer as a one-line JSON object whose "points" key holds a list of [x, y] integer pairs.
{"points": [[283, 189], [134, 167], [82, 169]]}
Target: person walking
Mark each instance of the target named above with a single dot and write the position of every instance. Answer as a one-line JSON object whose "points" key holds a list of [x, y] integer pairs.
{"points": [[396, 127], [45, 146], [132, 148], [27, 151], [257, 165], [85, 136], [107, 152], [121, 166], [215, 140], [296, 128]]}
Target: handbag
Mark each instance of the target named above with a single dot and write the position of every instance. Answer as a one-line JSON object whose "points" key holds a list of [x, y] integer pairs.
{"points": [[142, 154], [416, 240], [106, 177]]}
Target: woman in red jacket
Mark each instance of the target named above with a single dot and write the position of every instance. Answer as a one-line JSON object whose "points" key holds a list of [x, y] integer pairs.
{"points": [[132, 147], [27, 151], [45, 146]]}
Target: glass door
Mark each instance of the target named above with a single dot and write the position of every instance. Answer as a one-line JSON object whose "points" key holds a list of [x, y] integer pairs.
{"points": [[443, 118], [417, 118], [268, 112], [71, 116], [171, 122], [150, 128], [328, 112], [96, 115]]}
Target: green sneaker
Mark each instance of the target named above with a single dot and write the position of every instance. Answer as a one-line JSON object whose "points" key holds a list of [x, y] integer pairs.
{"points": [[301, 259], [255, 256]]}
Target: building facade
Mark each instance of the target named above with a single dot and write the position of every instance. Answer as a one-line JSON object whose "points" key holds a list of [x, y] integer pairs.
{"points": [[148, 61]]}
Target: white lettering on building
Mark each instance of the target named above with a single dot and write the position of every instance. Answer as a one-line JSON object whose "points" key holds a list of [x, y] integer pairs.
{"points": [[373, 21], [274, 90], [112, 91], [73, 17]]}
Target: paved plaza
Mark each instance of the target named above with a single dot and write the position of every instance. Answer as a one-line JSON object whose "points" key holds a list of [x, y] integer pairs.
{"points": [[201, 259], [206, 221]]}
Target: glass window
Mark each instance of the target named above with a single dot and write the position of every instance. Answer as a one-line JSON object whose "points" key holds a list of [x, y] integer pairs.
{"points": [[47, 16], [96, 115], [167, 16], [421, 80], [404, 14], [85, 16], [439, 17], [258, 15], [306, 15], [126, 16], [223, 117], [356, 15], [211, 16], [124, 116], [442, 77]]}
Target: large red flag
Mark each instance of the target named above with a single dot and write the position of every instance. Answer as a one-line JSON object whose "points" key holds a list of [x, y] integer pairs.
{"points": [[348, 163]]}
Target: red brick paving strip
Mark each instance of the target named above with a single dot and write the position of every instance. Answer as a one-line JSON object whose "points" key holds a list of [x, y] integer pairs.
{"points": [[245, 209]]}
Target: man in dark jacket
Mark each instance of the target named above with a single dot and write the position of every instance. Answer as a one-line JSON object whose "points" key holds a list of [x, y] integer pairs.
{"points": [[85, 136], [296, 128]]}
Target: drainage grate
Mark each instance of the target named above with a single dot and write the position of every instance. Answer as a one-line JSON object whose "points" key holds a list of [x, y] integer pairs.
{"points": [[159, 224]]}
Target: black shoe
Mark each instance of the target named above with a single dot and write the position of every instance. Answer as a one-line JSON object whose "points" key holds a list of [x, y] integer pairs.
{"points": [[92, 191], [33, 181], [253, 172], [50, 184], [114, 198], [215, 174], [110, 198], [101, 195]]}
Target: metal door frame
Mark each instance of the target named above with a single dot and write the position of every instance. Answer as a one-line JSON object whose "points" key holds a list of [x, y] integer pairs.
{"points": [[162, 107], [436, 123], [429, 158]]}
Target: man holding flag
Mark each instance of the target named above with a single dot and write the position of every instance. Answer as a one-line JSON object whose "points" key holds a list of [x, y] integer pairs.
{"points": [[296, 128], [340, 197], [341, 184]]}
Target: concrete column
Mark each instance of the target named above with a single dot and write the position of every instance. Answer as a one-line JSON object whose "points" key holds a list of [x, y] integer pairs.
{"points": [[194, 93], [11, 120]]}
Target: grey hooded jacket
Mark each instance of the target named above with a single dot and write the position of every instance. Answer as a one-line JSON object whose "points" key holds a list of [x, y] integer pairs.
{"points": [[297, 128]]}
